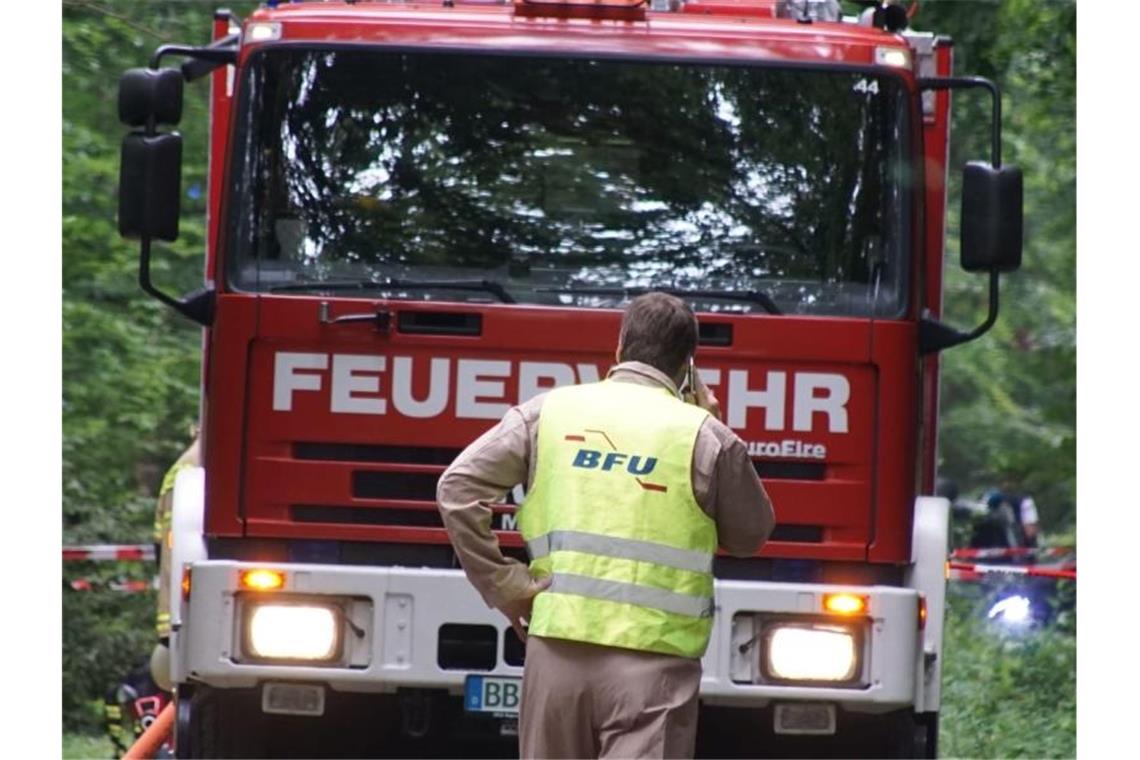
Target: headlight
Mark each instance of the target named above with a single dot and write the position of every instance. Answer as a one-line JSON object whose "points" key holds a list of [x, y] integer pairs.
{"points": [[292, 632], [811, 653], [1015, 610]]}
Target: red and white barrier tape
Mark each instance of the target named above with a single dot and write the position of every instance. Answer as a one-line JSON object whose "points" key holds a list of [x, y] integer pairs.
{"points": [[109, 553], [96, 584], [1012, 551], [967, 571]]}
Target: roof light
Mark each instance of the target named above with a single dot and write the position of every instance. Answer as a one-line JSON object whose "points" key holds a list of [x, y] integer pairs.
{"points": [[263, 32], [618, 10], [262, 579], [185, 583], [845, 604], [807, 11], [894, 57]]}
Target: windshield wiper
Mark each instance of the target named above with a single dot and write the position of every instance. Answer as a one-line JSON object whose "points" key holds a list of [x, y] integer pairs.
{"points": [[486, 286], [751, 296], [324, 285]]}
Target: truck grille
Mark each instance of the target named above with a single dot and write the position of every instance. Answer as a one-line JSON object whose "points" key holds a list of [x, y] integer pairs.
{"points": [[394, 485], [393, 489], [790, 470], [366, 516], [810, 534], [367, 452], [389, 490]]}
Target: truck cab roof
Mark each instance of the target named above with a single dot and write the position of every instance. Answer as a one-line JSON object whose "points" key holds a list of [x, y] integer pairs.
{"points": [[743, 30]]}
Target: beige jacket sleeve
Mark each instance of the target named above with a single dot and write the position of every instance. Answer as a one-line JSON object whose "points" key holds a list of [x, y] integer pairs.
{"points": [[480, 476], [728, 489]]}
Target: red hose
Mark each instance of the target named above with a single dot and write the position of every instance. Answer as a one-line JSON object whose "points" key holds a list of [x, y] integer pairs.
{"points": [[146, 746]]}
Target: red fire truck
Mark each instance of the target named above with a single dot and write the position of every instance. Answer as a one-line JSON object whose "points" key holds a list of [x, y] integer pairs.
{"points": [[420, 214]]}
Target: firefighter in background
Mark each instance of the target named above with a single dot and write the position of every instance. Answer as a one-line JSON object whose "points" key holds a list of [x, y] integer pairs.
{"points": [[131, 707], [1023, 509], [113, 718], [1002, 518], [160, 657], [630, 491]]}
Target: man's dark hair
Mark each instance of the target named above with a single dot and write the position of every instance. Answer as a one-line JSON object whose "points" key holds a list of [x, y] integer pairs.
{"points": [[659, 330]]}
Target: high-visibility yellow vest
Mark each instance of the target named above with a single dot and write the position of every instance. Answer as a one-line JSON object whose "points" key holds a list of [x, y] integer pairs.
{"points": [[612, 518], [162, 513]]}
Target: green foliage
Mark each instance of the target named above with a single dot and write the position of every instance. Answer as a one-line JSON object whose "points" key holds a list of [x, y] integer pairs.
{"points": [[130, 368], [85, 747], [1007, 694], [1009, 399]]}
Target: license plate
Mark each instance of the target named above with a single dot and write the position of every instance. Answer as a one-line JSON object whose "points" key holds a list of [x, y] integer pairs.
{"points": [[293, 699], [804, 718], [492, 694]]}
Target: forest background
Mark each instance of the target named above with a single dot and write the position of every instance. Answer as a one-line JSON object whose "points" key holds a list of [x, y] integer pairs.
{"points": [[130, 366]]}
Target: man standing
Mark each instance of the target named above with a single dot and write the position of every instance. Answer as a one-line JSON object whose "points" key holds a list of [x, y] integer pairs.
{"points": [[629, 493]]}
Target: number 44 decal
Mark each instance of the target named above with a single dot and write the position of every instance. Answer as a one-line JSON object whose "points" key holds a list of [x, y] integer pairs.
{"points": [[867, 85]]}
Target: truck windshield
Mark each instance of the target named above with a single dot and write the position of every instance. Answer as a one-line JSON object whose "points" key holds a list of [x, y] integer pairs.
{"points": [[569, 181]]}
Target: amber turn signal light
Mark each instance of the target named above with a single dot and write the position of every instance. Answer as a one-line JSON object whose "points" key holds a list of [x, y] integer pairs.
{"points": [[262, 580], [845, 604]]}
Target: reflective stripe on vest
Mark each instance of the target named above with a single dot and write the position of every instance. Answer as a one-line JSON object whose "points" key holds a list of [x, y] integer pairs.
{"points": [[612, 519], [632, 593], [622, 548]]}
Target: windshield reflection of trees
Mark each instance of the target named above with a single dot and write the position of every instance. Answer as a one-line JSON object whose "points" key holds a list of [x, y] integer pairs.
{"points": [[595, 173]]}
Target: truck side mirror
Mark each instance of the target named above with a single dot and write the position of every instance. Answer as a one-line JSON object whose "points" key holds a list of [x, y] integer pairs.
{"points": [[150, 163], [150, 179], [148, 97], [150, 168], [991, 218]]}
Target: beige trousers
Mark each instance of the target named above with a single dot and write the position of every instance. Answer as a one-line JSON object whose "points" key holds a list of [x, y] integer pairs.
{"points": [[582, 700]]}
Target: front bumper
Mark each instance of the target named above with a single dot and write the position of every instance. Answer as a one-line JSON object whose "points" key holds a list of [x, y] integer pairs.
{"points": [[398, 613]]}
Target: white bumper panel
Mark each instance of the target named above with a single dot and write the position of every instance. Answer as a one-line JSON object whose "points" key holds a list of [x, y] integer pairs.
{"points": [[400, 611], [187, 545]]}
